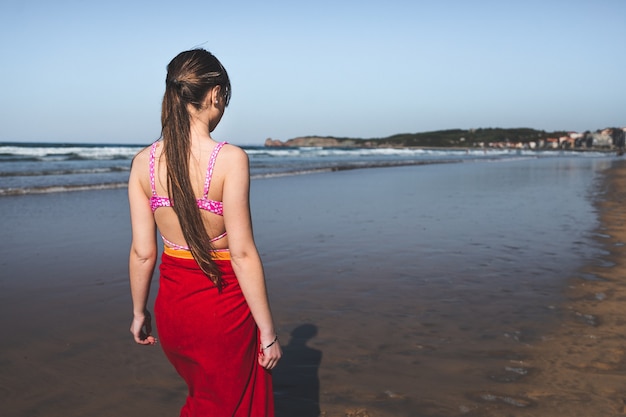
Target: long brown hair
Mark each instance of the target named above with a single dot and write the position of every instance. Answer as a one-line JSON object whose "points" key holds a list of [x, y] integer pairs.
{"points": [[190, 76]]}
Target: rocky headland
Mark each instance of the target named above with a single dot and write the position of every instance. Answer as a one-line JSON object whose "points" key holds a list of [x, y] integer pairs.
{"points": [[315, 141]]}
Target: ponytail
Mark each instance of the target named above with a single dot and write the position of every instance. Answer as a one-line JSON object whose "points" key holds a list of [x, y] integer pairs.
{"points": [[191, 75]]}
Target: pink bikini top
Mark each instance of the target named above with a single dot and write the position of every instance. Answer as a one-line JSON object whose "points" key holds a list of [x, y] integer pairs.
{"points": [[204, 203]]}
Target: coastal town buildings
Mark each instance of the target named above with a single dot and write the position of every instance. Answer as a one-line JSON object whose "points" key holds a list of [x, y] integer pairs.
{"points": [[610, 138]]}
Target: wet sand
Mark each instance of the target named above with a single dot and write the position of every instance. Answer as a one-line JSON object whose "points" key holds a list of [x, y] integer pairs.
{"points": [[579, 368], [363, 332]]}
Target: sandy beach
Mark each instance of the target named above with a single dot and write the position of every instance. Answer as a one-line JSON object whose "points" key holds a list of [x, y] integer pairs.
{"points": [[578, 368], [459, 296]]}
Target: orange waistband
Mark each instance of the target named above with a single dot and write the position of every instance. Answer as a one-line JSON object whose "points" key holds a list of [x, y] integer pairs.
{"points": [[218, 255]]}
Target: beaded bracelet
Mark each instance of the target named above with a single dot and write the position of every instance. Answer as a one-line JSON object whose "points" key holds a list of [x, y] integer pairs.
{"points": [[271, 344]]}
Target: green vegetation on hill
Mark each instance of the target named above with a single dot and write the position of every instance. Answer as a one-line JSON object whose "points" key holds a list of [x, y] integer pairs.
{"points": [[482, 137], [472, 137], [457, 137]]}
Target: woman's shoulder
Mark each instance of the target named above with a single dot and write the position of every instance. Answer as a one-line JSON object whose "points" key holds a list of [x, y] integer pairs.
{"points": [[142, 158], [234, 153]]}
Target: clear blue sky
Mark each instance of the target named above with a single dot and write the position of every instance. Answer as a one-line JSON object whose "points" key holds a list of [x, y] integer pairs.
{"points": [[86, 71]]}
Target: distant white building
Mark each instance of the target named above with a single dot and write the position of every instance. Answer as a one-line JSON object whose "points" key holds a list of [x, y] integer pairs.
{"points": [[602, 139]]}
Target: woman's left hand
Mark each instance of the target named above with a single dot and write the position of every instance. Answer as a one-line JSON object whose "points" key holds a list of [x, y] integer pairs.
{"points": [[269, 356]]}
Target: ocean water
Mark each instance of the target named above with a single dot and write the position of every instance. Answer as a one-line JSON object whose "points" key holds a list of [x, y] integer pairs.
{"points": [[424, 283], [27, 168]]}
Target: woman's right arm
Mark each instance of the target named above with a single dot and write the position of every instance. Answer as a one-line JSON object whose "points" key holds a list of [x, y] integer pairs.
{"points": [[143, 251]]}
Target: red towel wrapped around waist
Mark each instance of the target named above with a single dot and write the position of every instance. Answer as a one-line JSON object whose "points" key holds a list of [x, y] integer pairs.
{"points": [[211, 339]]}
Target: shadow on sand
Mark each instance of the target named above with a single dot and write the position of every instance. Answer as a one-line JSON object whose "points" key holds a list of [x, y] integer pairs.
{"points": [[296, 381]]}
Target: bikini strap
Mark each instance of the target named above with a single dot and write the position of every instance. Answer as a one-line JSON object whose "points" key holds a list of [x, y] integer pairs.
{"points": [[209, 171], [152, 153], [216, 238]]}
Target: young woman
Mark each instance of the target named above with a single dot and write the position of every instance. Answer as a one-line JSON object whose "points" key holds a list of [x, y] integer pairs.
{"points": [[212, 310]]}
